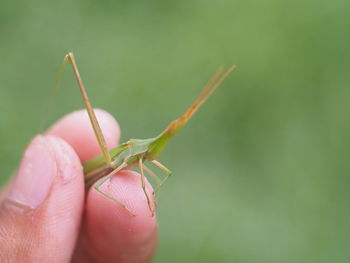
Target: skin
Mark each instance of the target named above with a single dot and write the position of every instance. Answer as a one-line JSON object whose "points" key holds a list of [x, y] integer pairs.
{"points": [[64, 223]]}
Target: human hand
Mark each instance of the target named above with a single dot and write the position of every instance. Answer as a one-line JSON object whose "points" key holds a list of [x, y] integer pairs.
{"points": [[45, 217]]}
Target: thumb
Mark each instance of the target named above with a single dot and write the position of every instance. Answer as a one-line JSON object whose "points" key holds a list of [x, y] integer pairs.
{"points": [[40, 217]]}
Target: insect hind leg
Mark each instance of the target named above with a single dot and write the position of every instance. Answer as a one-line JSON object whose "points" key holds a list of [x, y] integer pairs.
{"points": [[92, 116]]}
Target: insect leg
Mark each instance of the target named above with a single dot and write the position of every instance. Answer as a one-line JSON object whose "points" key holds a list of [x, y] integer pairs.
{"points": [[166, 170], [152, 174], [97, 187], [94, 122], [156, 179], [144, 185]]}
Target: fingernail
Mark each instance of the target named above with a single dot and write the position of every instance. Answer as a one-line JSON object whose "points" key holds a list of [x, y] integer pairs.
{"points": [[35, 175]]}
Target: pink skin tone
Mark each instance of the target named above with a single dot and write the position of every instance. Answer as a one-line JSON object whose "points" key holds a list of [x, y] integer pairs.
{"points": [[46, 215]]}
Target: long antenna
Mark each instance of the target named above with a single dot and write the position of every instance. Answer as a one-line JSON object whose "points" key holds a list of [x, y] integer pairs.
{"points": [[50, 101]]}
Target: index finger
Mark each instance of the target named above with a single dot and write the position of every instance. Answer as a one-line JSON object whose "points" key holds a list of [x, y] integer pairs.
{"points": [[109, 232]]}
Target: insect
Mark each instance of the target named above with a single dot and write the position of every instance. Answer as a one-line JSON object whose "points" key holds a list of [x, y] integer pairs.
{"points": [[135, 151]]}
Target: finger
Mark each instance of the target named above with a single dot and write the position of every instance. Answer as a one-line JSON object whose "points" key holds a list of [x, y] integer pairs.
{"points": [[40, 218], [101, 211], [76, 129], [112, 234]]}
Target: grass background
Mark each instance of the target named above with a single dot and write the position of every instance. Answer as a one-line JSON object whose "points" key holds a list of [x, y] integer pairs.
{"points": [[262, 171]]}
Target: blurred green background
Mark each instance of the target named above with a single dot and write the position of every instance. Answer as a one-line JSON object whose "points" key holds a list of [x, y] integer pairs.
{"points": [[262, 171]]}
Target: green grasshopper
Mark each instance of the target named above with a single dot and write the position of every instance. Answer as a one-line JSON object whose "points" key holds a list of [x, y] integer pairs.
{"points": [[135, 151]]}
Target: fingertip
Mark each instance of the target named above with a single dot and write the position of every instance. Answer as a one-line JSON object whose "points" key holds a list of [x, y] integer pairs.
{"points": [[47, 161], [126, 187], [43, 209], [133, 237], [76, 129]]}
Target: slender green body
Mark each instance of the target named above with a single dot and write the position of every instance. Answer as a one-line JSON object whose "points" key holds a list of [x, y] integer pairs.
{"points": [[129, 153]]}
